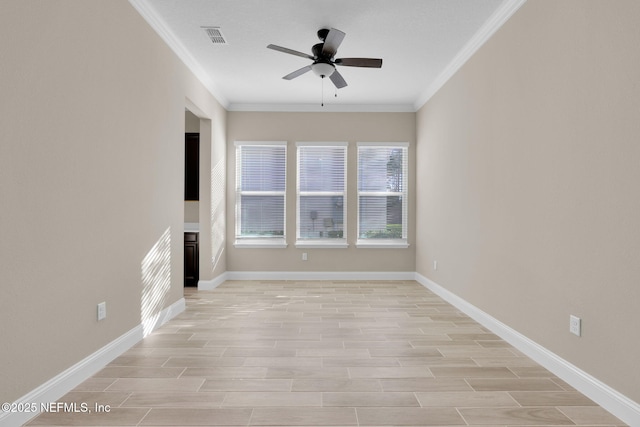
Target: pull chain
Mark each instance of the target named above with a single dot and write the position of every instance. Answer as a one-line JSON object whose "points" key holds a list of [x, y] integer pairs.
{"points": [[322, 95]]}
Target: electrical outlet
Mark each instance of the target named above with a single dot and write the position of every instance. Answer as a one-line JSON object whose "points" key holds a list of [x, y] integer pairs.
{"points": [[304, 256], [575, 325], [435, 265], [102, 310]]}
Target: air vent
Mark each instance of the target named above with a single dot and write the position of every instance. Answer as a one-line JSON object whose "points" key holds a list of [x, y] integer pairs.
{"points": [[215, 35]]}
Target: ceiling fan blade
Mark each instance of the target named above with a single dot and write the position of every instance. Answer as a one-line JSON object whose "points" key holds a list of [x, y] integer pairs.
{"points": [[337, 79], [297, 73], [289, 51], [332, 42], [360, 62]]}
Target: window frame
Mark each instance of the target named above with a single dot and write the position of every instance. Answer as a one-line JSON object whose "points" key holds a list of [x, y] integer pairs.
{"points": [[384, 243], [324, 242], [254, 241]]}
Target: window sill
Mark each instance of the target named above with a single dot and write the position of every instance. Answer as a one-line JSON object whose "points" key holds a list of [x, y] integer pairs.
{"points": [[322, 244], [260, 244], [381, 244]]}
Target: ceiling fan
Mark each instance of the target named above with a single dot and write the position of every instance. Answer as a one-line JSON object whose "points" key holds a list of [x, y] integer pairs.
{"points": [[324, 64]]}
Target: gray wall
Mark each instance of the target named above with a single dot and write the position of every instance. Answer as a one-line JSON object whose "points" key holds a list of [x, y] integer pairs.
{"points": [[528, 182], [526, 186], [91, 181], [319, 127]]}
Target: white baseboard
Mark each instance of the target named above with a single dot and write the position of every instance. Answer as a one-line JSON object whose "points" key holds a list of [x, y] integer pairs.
{"points": [[611, 400], [320, 275], [207, 285], [67, 380], [167, 314]]}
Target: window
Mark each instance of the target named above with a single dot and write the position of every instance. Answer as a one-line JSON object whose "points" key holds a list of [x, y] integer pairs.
{"points": [[321, 194], [260, 193], [382, 195]]}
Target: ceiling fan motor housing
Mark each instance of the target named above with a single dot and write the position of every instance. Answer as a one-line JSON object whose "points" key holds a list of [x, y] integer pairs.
{"points": [[317, 50]]}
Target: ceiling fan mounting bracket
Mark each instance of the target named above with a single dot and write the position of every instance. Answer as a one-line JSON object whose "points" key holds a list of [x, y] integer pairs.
{"points": [[322, 33]]}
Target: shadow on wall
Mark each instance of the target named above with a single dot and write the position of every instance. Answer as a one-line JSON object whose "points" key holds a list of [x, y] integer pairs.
{"points": [[156, 282], [217, 212]]}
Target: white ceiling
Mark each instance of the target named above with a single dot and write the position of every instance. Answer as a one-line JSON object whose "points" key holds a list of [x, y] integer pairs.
{"points": [[422, 43]]}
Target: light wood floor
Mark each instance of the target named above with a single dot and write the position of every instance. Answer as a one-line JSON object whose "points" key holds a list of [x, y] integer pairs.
{"points": [[279, 353]]}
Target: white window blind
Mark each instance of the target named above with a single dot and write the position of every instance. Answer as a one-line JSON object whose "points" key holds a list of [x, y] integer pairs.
{"points": [[260, 190], [321, 192], [382, 192]]}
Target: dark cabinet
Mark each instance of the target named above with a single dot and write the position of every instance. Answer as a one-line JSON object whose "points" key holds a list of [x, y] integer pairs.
{"points": [[191, 166], [190, 259]]}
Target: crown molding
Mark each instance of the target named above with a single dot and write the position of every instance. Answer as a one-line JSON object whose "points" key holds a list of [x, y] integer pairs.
{"points": [[149, 14], [499, 17], [327, 108]]}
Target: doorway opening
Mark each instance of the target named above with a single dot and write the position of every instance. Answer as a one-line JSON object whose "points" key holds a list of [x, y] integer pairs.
{"points": [[191, 199]]}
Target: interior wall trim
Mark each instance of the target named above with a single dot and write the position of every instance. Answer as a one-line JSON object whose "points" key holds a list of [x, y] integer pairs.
{"points": [[499, 17], [611, 400], [159, 26], [67, 380], [207, 285], [332, 108], [320, 275]]}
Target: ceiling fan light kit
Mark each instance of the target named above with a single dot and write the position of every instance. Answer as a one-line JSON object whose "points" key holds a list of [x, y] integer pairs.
{"points": [[324, 62], [322, 69]]}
